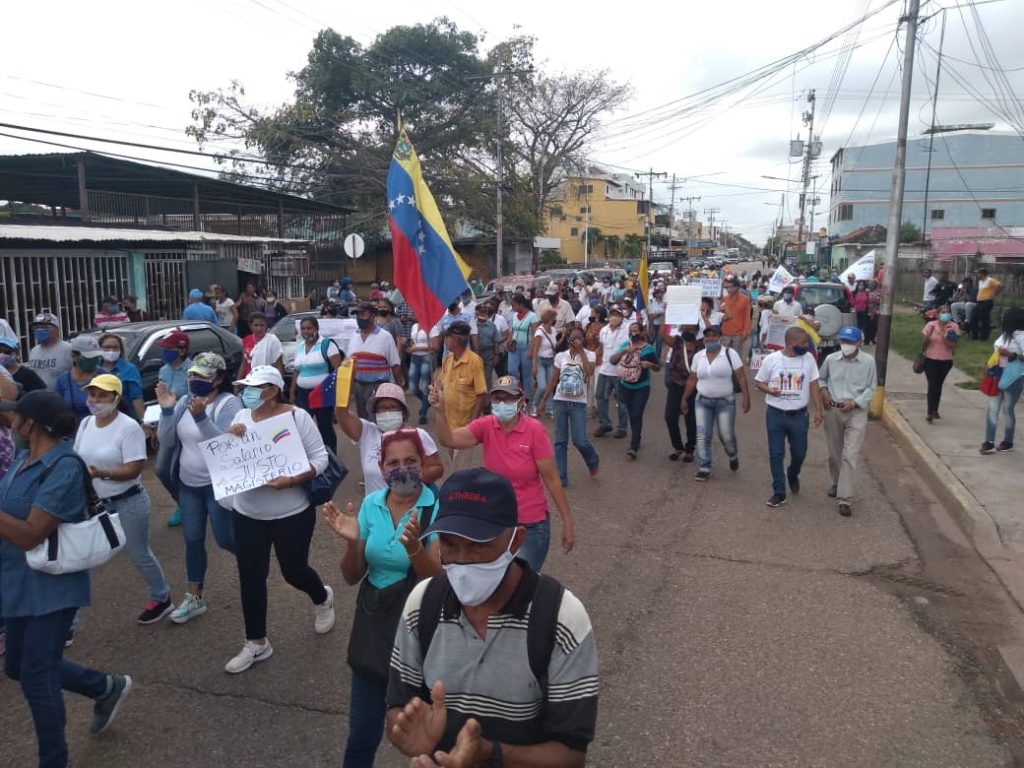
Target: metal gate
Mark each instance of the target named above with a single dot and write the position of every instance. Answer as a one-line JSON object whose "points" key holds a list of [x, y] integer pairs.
{"points": [[70, 283], [165, 285]]}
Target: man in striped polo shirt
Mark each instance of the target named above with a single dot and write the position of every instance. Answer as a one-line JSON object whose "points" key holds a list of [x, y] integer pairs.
{"points": [[376, 357], [493, 663]]}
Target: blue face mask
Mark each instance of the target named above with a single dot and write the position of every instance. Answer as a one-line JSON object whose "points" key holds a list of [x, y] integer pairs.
{"points": [[712, 346], [252, 398], [798, 351], [41, 335], [945, 317], [169, 355], [505, 412], [200, 387]]}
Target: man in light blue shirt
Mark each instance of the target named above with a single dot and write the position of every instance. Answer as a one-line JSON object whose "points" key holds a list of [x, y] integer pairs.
{"points": [[197, 309]]}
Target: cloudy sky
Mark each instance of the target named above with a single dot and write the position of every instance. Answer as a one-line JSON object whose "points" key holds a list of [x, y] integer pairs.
{"points": [[124, 69]]}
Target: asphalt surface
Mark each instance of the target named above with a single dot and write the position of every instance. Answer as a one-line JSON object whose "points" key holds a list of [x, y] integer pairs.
{"points": [[730, 634]]}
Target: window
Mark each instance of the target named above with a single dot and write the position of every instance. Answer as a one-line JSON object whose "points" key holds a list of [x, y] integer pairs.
{"points": [[845, 212], [585, 209], [938, 214], [574, 232], [988, 213], [585, 189]]}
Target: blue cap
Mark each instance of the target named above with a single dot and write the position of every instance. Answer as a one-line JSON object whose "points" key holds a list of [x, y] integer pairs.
{"points": [[195, 293], [475, 504], [8, 341], [851, 333]]}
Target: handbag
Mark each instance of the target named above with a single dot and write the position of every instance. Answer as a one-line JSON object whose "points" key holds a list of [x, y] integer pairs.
{"points": [[321, 488], [990, 383], [1009, 375], [74, 547]]}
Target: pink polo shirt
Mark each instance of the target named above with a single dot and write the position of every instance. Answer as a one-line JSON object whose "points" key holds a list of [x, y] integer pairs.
{"points": [[514, 455], [936, 348]]}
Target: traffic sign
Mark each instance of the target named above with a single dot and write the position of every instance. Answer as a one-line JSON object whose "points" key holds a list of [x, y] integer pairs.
{"points": [[354, 246]]}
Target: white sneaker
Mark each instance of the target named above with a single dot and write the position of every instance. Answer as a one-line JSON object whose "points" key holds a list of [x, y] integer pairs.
{"points": [[191, 606], [325, 613], [251, 653]]}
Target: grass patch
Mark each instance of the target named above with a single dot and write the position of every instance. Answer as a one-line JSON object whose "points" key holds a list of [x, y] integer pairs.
{"points": [[971, 356]]}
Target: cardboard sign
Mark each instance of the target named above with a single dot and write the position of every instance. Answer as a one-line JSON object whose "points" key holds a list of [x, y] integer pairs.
{"points": [[269, 449], [711, 286], [339, 329], [775, 338], [780, 280], [682, 304]]}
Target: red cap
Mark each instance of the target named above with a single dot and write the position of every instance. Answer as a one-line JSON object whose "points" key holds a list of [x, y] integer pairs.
{"points": [[174, 340]]}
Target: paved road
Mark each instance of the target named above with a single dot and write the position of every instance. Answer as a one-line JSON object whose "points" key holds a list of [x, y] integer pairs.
{"points": [[729, 634]]}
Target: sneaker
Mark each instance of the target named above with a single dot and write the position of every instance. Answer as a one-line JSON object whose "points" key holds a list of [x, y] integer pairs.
{"points": [[533, 412], [631, 453], [1004, 446], [155, 611], [832, 492], [250, 654], [191, 606], [602, 430], [594, 472], [105, 711], [702, 475], [619, 434], [70, 639], [324, 621], [844, 509], [734, 463], [794, 484], [777, 500], [175, 519], [688, 457], [987, 448]]}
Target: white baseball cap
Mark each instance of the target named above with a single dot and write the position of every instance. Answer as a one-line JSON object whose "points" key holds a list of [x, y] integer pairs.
{"points": [[262, 375]]}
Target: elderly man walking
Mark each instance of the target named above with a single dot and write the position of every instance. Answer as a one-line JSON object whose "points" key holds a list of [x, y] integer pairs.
{"points": [[847, 381]]}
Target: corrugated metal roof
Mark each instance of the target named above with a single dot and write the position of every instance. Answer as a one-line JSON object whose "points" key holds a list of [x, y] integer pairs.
{"points": [[63, 234]]}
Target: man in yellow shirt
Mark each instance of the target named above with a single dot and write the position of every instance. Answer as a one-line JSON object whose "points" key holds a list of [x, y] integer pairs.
{"points": [[988, 289], [464, 386]]}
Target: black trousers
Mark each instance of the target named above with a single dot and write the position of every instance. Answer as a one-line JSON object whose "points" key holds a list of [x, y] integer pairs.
{"points": [[636, 402], [290, 538], [673, 399], [982, 320], [935, 371], [324, 418], [870, 329]]}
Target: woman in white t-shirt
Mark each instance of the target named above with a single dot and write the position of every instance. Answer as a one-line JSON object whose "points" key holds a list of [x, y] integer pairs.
{"points": [[419, 367], [573, 368], [542, 354], [714, 369], [113, 446], [1010, 346]]}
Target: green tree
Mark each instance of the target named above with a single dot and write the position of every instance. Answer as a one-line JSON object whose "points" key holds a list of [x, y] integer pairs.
{"points": [[633, 246], [909, 232]]}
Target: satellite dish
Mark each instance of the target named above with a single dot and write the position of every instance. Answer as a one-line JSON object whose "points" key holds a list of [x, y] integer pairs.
{"points": [[830, 318]]}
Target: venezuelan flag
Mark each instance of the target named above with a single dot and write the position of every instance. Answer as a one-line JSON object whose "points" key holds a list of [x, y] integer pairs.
{"points": [[640, 300], [428, 271]]}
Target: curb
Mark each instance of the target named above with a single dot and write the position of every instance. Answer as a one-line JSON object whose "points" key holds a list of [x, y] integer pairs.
{"points": [[972, 518]]}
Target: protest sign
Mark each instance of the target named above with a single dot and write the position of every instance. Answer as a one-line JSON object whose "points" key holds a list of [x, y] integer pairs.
{"points": [[682, 304], [338, 329], [711, 286], [862, 269], [780, 280], [270, 448], [777, 327]]}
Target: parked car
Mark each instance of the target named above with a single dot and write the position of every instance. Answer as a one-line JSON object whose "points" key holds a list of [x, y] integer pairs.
{"points": [[815, 296], [600, 273], [661, 266]]}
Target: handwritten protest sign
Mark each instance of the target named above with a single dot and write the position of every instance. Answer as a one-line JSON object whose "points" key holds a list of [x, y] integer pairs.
{"points": [[780, 280], [270, 448], [682, 304], [862, 269], [711, 286], [338, 329], [777, 327]]}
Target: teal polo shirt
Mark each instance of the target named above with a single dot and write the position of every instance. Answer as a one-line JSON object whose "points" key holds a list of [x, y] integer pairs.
{"points": [[386, 560]]}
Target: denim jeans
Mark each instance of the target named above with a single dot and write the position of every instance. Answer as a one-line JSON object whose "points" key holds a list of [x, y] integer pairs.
{"points": [[712, 411], [198, 506], [1004, 403], [635, 401], [35, 658], [545, 370], [367, 711], [134, 515], [538, 539], [571, 419], [419, 379], [520, 366], [607, 387], [783, 426]]}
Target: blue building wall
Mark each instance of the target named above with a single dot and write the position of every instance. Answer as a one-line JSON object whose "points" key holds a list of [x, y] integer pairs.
{"points": [[970, 171]]}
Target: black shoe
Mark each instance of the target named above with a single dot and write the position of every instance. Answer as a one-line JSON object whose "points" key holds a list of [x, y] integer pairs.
{"points": [[155, 611], [987, 448], [688, 457], [702, 475], [794, 484], [844, 509], [777, 500], [832, 492], [423, 420], [105, 711], [734, 463], [602, 430], [631, 453], [1004, 446], [619, 433]]}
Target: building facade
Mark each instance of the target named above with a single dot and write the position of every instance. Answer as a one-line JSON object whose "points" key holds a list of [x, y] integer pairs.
{"points": [[976, 180]]}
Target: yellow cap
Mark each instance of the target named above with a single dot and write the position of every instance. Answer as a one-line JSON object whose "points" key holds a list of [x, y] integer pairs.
{"points": [[106, 382]]}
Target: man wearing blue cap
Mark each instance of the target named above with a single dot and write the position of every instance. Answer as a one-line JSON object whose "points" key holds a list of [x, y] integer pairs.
{"points": [[847, 381], [493, 663], [197, 309]]}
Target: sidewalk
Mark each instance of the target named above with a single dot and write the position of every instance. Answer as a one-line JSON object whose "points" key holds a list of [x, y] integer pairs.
{"points": [[984, 491]]}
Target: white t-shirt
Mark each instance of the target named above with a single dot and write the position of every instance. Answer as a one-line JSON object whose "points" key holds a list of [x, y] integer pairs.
{"points": [[375, 355], [548, 340], [120, 442], [929, 288], [566, 359], [501, 324], [611, 339], [267, 351], [1015, 344], [50, 362], [792, 375], [714, 379], [419, 338], [788, 310], [563, 312], [224, 315], [193, 471], [369, 454]]}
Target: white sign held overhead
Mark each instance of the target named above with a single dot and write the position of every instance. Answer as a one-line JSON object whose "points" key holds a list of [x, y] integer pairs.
{"points": [[862, 269], [354, 246], [780, 280], [270, 448], [338, 329], [682, 304]]}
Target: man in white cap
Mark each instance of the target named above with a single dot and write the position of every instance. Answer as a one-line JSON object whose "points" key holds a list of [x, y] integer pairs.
{"points": [[562, 308], [51, 356]]}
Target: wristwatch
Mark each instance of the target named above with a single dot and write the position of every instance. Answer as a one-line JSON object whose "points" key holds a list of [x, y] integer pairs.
{"points": [[496, 759]]}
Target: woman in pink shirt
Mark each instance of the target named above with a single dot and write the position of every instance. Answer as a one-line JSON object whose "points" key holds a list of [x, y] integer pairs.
{"points": [[516, 447], [939, 340]]}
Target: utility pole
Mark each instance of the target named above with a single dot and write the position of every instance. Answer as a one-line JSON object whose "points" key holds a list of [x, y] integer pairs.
{"points": [[809, 155], [710, 212], [725, 233], [651, 174], [892, 235], [586, 229], [672, 211], [499, 222], [931, 133], [690, 215]]}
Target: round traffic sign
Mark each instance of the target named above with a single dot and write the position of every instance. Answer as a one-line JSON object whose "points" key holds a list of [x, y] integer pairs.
{"points": [[354, 246]]}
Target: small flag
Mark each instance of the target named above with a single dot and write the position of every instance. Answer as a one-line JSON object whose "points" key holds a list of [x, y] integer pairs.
{"points": [[281, 435], [335, 390], [640, 300]]}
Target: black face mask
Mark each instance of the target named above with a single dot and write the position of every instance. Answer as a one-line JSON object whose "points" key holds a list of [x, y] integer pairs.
{"points": [[553, 300], [363, 323]]}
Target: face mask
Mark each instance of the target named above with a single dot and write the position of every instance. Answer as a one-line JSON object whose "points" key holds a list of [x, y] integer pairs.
{"points": [[404, 482], [169, 355], [252, 398], [200, 387], [848, 349], [271, 300], [635, 337], [111, 355], [87, 364], [7, 360], [553, 300], [102, 409], [112, 309], [712, 346], [473, 583], [788, 299], [799, 351], [505, 412], [364, 322], [41, 335], [389, 420], [945, 317]]}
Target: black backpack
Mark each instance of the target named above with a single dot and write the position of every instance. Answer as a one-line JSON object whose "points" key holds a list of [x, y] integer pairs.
{"points": [[540, 632]]}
